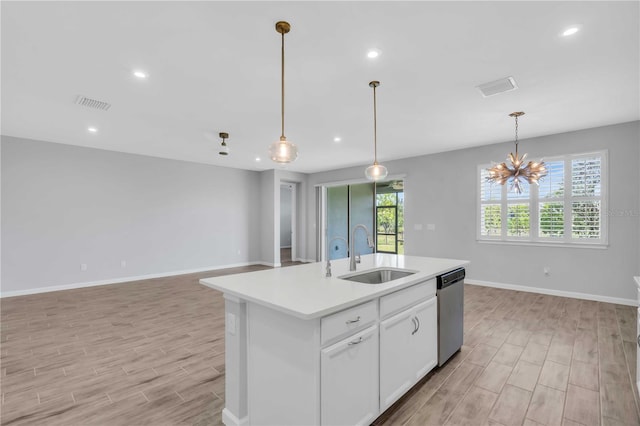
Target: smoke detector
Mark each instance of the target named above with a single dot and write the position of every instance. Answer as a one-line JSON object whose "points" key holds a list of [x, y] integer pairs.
{"points": [[92, 103], [506, 84]]}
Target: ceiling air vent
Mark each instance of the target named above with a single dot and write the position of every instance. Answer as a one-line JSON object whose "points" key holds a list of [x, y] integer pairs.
{"points": [[499, 86], [92, 103]]}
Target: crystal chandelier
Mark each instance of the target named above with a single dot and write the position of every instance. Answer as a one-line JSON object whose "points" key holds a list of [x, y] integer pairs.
{"points": [[517, 173], [375, 171], [283, 151]]}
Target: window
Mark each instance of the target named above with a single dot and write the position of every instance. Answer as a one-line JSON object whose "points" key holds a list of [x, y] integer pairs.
{"points": [[567, 208]]}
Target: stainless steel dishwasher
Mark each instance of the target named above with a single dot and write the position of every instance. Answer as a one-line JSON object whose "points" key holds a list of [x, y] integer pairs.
{"points": [[450, 292]]}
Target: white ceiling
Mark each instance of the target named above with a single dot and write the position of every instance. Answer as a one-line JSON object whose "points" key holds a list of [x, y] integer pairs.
{"points": [[215, 66]]}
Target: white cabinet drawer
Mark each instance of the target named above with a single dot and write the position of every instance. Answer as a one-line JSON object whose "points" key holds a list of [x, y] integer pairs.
{"points": [[343, 323], [395, 302]]}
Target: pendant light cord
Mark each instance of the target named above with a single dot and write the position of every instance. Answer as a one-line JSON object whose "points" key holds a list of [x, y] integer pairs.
{"points": [[282, 137], [375, 128]]}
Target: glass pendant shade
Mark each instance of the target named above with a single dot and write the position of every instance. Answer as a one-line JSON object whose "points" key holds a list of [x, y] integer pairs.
{"points": [[376, 172], [283, 151]]}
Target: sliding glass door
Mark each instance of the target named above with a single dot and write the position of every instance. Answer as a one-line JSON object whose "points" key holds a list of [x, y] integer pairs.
{"points": [[348, 206], [379, 207]]}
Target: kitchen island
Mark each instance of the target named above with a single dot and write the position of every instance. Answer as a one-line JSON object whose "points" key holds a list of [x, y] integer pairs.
{"points": [[306, 349]]}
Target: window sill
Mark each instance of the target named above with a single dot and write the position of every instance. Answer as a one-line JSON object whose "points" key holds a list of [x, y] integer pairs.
{"points": [[545, 244]]}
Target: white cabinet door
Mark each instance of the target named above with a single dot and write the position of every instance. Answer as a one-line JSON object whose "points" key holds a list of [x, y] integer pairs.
{"points": [[424, 344], [408, 350], [349, 380], [396, 373]]}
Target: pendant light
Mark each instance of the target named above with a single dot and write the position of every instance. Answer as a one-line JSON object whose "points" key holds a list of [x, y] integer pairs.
{"points": [[516, 173], [375, 171], [283, 151], [224, 149]]}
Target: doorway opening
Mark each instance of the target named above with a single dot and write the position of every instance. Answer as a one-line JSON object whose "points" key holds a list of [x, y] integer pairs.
{"points": [[287, 223]]}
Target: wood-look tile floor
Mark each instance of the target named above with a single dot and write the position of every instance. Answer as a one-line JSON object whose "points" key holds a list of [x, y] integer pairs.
{"points": [[152, 352]]}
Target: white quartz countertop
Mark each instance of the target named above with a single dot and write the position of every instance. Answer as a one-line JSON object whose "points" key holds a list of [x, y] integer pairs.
{"points": [[304, 291]]}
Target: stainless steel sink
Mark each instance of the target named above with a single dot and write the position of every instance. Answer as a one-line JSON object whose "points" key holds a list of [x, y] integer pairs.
{"points": [[378, 276]]}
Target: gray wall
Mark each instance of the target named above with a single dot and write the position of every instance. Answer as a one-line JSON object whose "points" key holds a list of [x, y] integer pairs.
{"points": [[269, 203], [441, 190], [65, 205]]}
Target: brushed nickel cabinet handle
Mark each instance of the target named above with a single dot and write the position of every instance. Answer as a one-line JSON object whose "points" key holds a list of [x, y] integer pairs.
{"points": [[355, 342], [414, 320], [352, 321]]}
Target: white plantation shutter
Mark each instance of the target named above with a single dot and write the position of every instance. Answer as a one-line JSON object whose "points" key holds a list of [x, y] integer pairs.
{"points": [[551, 216], [491, 208], [518, 223], [585, 219], [491, 220], [585, 177], [566, 208], [551, 202], [586, 194]]}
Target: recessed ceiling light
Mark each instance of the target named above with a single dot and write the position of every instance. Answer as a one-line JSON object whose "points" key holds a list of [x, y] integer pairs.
{"points": [[92, 129], [571, 30], [258, 159], [373, 53], [140, 74], [337, 139]]}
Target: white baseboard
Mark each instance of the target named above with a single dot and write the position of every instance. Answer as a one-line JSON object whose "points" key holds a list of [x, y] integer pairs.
{"points": [[575, 295], [270, 264], [230, 420], [72, 286]]}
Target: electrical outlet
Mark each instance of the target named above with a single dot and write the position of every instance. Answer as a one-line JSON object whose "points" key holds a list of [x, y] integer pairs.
{"points": [[83, 266], [431, 226], [123, 263], [417, 227], [547, 271]]}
